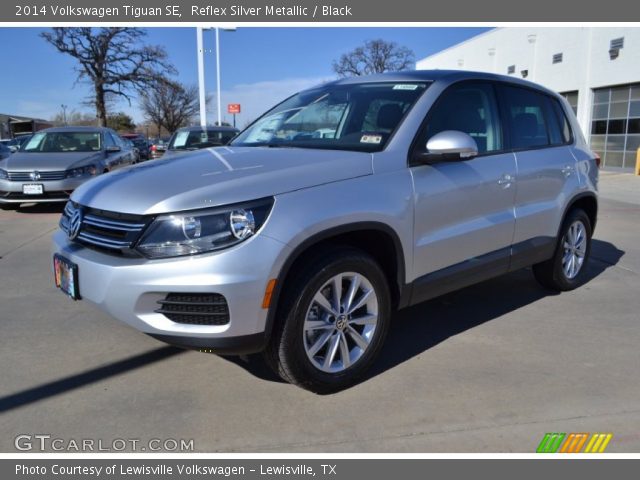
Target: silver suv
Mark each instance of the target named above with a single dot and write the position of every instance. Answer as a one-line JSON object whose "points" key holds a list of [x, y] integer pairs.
{"points": [[335, 208]]}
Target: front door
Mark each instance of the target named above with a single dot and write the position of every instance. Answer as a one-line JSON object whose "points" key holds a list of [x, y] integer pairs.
{"points": [[464, 210]]}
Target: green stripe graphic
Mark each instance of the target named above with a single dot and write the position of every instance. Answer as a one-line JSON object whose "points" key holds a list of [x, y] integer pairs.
{"points": [[550, 443]]}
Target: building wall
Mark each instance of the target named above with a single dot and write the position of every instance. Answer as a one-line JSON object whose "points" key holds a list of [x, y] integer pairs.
{"points": [[585, 66]]}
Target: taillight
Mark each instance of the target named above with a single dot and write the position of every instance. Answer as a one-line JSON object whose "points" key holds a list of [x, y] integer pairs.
{"points": [[597, 159], [153, 149]]}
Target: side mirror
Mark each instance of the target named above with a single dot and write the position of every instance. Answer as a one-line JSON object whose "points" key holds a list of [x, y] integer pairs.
{"points": [[447, 146], [112, 149]]}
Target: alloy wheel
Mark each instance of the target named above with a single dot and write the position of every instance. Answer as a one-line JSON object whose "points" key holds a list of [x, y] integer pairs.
{"points": [[340, 322], [574, 244]]}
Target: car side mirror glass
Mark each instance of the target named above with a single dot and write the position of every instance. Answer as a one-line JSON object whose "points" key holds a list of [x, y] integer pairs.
{"points": [[448, 146]]}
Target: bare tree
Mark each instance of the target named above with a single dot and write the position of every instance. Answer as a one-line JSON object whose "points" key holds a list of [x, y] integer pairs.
{"points": [[170, 105], [113, 60], [375, 56]]}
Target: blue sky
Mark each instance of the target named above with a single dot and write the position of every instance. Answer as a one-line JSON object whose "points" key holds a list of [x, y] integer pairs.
{"points": [[259, 66]]}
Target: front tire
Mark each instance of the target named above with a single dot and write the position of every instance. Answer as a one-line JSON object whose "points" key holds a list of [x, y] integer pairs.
{"points": [[567, 268], [332, 321]]}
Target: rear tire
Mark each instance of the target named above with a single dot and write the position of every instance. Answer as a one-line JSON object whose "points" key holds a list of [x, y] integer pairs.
{"points": [[567, 268], [322, 344]]}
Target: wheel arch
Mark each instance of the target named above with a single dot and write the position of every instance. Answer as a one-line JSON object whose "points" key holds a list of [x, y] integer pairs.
{"points": [[374, 238], [586, 201]]}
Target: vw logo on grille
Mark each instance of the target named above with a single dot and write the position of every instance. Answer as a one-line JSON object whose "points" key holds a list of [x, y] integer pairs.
{"points": [[35, 175], [75, 222]]}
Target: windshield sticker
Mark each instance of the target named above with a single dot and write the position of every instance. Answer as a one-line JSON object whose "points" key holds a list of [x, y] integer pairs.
{"points": [[405, 86], [371, 139], [181, 139]]}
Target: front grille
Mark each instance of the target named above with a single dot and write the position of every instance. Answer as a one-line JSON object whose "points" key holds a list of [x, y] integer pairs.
{"points": [[114, 232], [62, 196], [195, 308], [42, 176]]}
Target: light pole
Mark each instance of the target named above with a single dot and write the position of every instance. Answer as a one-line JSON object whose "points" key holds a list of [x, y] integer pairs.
{"points": [[218, 76], [64, 113], [201, 84], [201, 89]]}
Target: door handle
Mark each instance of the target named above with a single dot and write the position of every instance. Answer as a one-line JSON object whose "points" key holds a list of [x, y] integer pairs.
{"points": [[505, 180], [567, 170]]}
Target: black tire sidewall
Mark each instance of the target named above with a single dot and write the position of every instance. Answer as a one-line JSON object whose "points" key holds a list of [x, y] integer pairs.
{"points": [[292, 343]]}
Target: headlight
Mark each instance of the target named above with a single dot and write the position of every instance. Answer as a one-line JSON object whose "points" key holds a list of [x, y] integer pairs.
{"points": [[203, 231], [82, 171], [3, 174]]}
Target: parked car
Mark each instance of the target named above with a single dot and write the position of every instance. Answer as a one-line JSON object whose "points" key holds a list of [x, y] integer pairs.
{"points": [[56, 161], [300, 243], [195, 138], [158, 147], [15, 143], [4, 151], [140, 143], [133, 148]]}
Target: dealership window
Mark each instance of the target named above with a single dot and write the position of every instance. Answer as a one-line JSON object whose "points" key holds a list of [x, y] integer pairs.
{"points": [[572, 98], [615, 125]]}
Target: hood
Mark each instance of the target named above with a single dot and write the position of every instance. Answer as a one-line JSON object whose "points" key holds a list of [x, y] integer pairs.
{"points": [[218, 176], [48, 162]]}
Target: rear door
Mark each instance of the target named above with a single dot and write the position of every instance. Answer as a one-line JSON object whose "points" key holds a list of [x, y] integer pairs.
{"points": [[540, 136], [464, 215]]}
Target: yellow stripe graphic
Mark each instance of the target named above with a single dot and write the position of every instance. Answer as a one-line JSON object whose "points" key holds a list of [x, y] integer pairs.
{"points": [[607, 439], [598, 443], [590, 444]]}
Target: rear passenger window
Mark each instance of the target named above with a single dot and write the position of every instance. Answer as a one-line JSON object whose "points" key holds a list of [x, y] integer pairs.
{"points": [[469, 108], [526, 116]]}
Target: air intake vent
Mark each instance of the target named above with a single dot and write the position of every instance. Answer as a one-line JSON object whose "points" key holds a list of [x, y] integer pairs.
{"points": [[557, 58], [617, 43], [195, 308]]}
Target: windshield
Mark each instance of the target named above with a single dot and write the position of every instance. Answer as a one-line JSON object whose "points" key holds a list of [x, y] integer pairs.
{"points": [[197, 139], [358, 117], [56, 142]]}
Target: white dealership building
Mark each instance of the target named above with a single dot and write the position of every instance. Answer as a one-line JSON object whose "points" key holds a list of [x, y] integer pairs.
{"points": [[596, 68]]}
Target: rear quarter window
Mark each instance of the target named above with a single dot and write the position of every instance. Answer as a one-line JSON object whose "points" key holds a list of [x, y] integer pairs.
{"points": [[561, 123]]}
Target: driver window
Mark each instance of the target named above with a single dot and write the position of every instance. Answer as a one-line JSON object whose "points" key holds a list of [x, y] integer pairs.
{"points": [[470, 108]]}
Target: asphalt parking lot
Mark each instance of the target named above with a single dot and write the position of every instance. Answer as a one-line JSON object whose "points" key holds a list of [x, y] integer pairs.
{"points": [[490, 368]]}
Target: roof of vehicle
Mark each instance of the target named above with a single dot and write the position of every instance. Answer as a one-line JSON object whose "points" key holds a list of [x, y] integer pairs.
{"points": [[210, 128], [75, 129], [436, 75]]}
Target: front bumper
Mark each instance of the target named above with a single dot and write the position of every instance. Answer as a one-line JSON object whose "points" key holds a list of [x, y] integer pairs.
{"points": [[129, 289], [54, 191]]}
